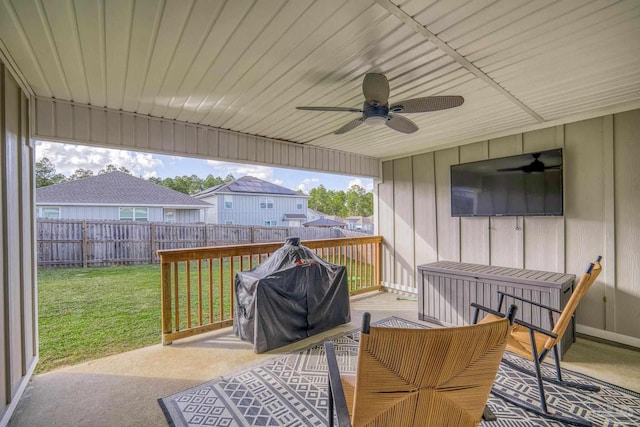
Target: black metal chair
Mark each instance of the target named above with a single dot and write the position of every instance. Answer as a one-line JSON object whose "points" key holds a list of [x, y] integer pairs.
{"points": [[534, 343]]}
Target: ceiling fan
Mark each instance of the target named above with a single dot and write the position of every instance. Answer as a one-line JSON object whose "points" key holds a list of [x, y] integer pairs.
{"points": [[376, 110], [536, 166]]}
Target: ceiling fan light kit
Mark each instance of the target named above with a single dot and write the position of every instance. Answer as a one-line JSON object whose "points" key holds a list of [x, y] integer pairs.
{"points": [[376, 111]]}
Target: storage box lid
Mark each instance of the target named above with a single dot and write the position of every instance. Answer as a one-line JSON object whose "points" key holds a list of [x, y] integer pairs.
{"points": [[501, 274]]}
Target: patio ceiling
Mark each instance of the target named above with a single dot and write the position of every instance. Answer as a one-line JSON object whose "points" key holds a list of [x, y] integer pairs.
{"points": [[245, 65]]}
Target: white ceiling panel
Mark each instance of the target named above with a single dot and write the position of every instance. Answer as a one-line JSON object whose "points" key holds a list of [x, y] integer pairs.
{"points": [[244, 65]]}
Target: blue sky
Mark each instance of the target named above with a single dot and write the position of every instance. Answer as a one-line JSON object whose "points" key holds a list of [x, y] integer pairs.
{"points": [[69, 157]]}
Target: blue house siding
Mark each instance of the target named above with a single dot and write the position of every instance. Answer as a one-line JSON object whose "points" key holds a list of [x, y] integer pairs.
{"points": [[247, 210]]}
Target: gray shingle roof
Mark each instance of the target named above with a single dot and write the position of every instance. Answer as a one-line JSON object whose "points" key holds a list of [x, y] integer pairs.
{"points": [[115, 188], [249, 184], [324, 222]]}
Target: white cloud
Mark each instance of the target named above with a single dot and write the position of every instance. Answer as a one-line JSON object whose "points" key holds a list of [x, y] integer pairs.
{"points": [[357, 181], [262, 172], [67, 158], [307, 184]]}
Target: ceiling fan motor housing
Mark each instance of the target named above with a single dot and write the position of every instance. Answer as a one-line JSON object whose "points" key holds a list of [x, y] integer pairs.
{"points": [[375, 115]]}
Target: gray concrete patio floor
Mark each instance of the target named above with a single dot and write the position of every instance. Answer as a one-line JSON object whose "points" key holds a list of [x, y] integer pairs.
{"points": [[122, 390]]}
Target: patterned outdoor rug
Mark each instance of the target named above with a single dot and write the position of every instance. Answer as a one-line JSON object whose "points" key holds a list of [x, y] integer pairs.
{"points": [[291, 391]]}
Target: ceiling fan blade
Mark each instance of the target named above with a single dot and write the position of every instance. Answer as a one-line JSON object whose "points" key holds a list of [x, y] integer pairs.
{"points": [[521, 168], [351, 125], [376, 89], [401, 124], [347, 109], [426, 104]]}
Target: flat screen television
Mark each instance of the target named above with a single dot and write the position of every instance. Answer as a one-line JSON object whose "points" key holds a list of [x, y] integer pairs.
{"points": [[522, 185]]}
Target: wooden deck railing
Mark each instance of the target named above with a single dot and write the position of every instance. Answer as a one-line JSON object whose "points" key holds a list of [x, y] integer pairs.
{"points": [[197, 284]]}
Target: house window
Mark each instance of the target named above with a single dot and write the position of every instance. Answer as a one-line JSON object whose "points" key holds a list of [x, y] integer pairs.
{"points": [[266, 203], [299, 204], [228, 222], [270, 223], [170, 216], [228, 201], [134, 214], [49, 213]]}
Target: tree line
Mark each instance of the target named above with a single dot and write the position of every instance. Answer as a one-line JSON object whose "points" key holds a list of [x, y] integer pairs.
{"points": [[356, 201]]}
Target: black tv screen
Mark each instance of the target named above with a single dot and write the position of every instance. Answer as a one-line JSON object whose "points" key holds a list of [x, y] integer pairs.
{"points": [[522, 185]]}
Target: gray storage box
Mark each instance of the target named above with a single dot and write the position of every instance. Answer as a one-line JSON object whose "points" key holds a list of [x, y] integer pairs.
{"points": [[446, 290]]}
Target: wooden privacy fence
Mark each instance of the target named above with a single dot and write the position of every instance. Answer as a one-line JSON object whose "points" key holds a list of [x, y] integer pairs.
{"points": [[65, 243], [197, 284]]}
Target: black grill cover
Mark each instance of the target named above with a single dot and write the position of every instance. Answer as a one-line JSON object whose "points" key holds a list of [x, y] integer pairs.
{"points": [[292, 295]]}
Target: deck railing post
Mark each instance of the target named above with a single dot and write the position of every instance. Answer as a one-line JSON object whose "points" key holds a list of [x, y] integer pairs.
{"points": [[165, 295]]}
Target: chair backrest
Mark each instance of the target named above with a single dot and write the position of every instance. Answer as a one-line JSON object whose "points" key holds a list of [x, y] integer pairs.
{"points": [[420, 377], [579, 291]]}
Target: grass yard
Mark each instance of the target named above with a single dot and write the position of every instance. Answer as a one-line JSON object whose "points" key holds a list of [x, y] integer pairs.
{"points": [[85, 314]]}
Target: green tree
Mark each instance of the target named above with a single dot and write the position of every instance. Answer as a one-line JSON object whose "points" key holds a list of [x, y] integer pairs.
{"points": [[229, 178], [112, 168], [318, 199], [211, 181], [81, 173], [46, 174], [366, 204]]}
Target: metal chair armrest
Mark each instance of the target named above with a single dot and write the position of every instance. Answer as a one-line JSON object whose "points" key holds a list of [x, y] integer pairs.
{"points": [[337, 398], [535, 328], [537, 304]]}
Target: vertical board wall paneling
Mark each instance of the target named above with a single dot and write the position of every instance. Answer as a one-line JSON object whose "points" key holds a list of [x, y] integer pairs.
{"points": [[18, 325], [627, 230], [448, 227], [385, 221], [609, 275], [27, 239], [424, 210], [4, 396], [11, 195], [507, 246], [475, 238], [584, 211], [544, 236], [405, 269]]}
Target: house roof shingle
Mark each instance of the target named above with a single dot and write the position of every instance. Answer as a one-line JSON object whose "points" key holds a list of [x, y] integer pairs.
{"points": [[249, 185], [114, 188], [324, 222]]}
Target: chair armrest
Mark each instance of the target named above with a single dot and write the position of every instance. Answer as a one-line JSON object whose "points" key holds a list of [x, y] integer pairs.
{"points": [[337, 399], [511, 314], [487, 309], [555, 310], [536, 328]]}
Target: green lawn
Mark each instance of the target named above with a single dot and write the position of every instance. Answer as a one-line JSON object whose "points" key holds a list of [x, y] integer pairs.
{"points": [[89, 313]]}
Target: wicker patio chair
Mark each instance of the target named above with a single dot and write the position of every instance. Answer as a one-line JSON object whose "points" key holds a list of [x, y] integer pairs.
{"points": [[534, 343], [417, 377]]}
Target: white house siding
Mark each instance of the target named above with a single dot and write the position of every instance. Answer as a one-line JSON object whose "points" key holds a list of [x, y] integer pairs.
{"points": [[112, 213], [601, 205], [18, 308], [186, 216], [247, 211]]}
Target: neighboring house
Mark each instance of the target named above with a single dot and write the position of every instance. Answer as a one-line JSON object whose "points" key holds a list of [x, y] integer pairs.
{"points": [[325, 223], [252, 201], [313, 214], [117, 196], [360, 223]]}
